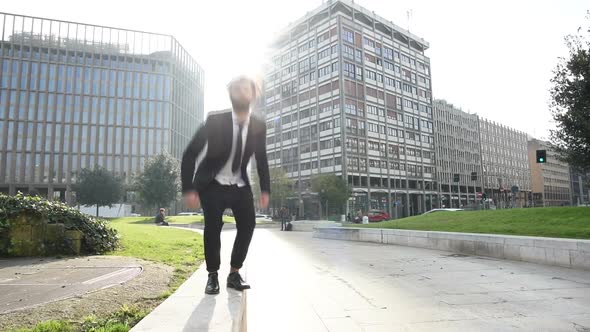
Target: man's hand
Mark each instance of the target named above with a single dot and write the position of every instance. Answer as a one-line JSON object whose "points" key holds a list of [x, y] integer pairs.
{"points": [[264, 199], [192, 200]]}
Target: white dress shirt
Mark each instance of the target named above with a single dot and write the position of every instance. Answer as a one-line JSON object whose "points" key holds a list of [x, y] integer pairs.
{"points": [[225, 175]]}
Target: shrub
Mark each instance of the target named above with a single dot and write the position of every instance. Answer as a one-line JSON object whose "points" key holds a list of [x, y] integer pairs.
{"points": [[98, 237]]}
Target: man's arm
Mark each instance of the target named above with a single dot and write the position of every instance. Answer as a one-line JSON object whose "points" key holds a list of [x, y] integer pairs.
{"points": [[187, 166], [262, 161]]}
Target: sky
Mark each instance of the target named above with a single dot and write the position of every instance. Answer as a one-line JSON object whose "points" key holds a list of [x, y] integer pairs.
{"points": [[494, 58]]}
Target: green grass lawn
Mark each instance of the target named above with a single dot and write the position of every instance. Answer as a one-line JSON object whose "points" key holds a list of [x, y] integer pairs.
{"points": [[178, 248], [564, 222], [181, 249]]}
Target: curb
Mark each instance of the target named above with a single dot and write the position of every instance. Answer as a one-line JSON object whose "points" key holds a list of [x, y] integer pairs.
{"points": [[570, 253]]}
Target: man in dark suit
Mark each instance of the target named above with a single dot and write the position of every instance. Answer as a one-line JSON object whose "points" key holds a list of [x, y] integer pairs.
{"points": [[226, 142]]}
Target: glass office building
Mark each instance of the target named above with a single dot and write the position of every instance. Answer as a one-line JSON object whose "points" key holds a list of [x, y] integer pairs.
{"points": [[75, 95]]}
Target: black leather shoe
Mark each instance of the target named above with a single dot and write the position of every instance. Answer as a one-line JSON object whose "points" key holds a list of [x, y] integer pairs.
{"points": [[212, 284], [235, 281]]}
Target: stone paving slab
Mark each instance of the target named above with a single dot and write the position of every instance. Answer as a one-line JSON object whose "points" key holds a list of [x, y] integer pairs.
{"points": [[29, 282], [190, 309], [300, 283]]}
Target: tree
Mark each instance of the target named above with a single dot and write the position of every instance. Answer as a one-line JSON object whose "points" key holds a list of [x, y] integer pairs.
{"points": [[331, 189], [98, 187], [570, 105], [281, 187], [159, 182]]}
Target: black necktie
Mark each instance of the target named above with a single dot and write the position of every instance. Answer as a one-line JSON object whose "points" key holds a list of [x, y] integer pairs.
{"points": [[238, 155]]}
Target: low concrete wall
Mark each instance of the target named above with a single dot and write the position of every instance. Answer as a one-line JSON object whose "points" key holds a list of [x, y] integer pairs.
{"points": [[310, 225], [570, 253]]}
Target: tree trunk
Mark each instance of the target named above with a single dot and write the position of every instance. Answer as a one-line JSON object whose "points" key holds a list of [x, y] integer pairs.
{"points": [[97, 210]]}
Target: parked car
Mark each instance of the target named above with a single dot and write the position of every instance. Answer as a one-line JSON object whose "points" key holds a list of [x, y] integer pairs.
{"points": [[378, 215], [263, 217], [136, 215], [439, 210]]}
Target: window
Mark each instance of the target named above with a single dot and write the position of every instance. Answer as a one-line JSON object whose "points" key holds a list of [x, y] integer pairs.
{"points": [[349, 70], [388, 65], [324, 71], [347, 35], [373, 127], [324, 53], [348, 52], [368, 42], [326, 144], [326, 125], [387, 53], [389, 81]]}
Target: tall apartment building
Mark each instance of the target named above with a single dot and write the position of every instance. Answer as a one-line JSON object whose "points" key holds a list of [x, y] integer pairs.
{"points": [[551, 180], [505, 164], [76, 95], [458, 151], [349, 93]]}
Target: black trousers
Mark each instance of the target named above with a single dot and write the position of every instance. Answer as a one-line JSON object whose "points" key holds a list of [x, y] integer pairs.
{"points": [[215, 199]]}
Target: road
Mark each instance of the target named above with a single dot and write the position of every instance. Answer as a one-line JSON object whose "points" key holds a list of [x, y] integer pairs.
{"points": [[300, 283]]}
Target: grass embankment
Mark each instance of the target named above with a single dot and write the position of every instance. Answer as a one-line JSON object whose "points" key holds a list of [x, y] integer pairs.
{"points": [[178, 248], [562, 222]]}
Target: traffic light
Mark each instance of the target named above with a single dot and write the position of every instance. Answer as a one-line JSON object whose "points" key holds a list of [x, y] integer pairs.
{"points": [[541, 156], [473, 176], [456, 177]]}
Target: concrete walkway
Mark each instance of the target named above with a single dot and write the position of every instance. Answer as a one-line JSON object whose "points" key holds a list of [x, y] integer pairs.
{"points": [[304, 284], [28, 282], [190, 310]]}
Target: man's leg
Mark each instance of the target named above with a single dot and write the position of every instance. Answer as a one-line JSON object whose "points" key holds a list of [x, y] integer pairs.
{"points": [[243, 209], [212, 201]]}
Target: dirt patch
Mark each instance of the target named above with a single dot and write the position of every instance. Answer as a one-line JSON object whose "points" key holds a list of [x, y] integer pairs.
{"points": [[145, 291]]}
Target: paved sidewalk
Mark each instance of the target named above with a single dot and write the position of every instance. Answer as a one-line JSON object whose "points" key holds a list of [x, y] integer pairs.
{"points": [[190, 310], [28, 282], [304, 284]]}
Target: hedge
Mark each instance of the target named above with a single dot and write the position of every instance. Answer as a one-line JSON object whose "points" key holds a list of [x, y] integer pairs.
{"points": [[98, 237]]}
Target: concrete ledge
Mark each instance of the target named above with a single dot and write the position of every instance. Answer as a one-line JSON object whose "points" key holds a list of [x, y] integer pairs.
{"points": [[190, 309], [570, 253], [309, 225]]}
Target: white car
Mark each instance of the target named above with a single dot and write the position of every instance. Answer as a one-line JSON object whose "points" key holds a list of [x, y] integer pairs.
{"points": [[136, 215], [263, 217]]}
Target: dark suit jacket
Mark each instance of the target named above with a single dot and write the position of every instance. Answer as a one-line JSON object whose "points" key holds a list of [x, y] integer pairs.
{"points": [[217, 133]]}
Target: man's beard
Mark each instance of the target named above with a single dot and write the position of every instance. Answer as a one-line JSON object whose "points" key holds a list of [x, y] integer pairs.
{"points": [[240, 105]]}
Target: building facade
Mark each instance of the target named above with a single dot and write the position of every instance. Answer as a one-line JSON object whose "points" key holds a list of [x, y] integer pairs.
{"points": [[76, 95], [505, 164], [349, 93], [551, 182], [458, 151]]}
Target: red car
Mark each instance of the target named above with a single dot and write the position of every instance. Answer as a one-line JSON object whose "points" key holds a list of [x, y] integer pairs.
{"points": [[378, 215]]}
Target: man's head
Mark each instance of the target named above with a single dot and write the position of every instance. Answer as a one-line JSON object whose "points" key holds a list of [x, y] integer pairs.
{"points": [[243, 91], [162, 210]]}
